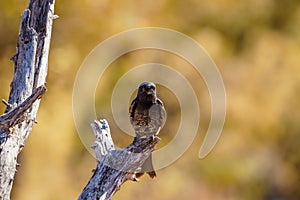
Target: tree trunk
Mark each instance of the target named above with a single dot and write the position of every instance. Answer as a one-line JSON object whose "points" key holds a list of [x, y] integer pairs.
{"points": [[27, 87], [114, 167]]}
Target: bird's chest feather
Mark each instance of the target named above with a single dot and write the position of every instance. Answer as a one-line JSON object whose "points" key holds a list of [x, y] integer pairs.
{"points": [[147, 119], [141, 115]]}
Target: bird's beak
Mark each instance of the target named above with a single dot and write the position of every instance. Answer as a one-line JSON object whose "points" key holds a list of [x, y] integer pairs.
{"points": [[150, 91]]}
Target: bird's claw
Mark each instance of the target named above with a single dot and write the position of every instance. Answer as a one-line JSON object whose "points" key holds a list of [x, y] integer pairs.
{"points": [[152, 137]]}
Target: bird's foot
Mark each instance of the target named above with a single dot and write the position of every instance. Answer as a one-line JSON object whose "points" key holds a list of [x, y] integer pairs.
{"points": [[152, 137]]}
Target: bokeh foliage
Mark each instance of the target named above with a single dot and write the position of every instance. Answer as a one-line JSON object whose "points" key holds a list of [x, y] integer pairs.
{"points": [[256, 45]]}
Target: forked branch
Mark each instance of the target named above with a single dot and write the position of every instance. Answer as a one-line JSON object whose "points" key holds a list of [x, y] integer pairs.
{"points": [[114, 167], [16, 115]]}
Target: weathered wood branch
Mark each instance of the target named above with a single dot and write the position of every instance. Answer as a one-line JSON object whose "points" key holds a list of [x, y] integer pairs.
{"points": [[27, 87], [114, 167], [17, 115]]}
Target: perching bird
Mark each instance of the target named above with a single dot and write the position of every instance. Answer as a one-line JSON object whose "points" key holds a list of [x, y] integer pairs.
{"points": [[147, 116]]}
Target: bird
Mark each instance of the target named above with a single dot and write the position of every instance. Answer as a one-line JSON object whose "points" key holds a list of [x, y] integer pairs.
{"points": [[147, 116]]}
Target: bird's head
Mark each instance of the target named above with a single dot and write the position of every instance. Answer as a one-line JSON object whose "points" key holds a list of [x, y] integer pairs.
{"points": [[147, 92]]}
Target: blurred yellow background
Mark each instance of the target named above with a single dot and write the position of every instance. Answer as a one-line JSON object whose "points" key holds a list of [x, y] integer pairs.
{"points": [[255, 44]]}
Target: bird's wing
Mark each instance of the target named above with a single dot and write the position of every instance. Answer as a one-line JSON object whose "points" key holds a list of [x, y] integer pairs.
{"points": [[132, 110], [162, 112]]}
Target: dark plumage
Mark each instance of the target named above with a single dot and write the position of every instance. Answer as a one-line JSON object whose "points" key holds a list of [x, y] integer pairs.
{"points": [[147, 116]]}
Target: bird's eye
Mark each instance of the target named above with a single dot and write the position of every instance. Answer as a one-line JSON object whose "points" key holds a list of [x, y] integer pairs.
{"points": [[143, 89], [152, 87]]}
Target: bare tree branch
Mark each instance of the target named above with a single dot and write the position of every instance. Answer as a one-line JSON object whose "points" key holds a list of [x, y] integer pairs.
{"points": [[17, 114], [114, 167], [27, 87]]}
